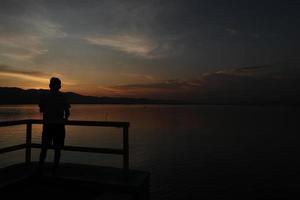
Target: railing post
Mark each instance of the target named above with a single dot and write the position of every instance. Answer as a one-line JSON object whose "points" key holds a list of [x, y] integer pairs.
{"points": [[125, 149], [28, 142]]}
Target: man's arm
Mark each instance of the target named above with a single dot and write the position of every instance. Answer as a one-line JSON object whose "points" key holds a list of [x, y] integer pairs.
{"points": [[67, 109], [67, 113]]}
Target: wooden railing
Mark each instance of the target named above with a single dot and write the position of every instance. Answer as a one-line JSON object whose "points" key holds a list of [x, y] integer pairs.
{"points": [[29, 145]]}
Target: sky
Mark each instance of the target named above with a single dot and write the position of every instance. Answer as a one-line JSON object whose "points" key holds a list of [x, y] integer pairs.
{"points": [[170, 49]]}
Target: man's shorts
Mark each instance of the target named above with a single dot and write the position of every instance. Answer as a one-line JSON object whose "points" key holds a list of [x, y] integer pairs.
{"points": [[53, 134]]}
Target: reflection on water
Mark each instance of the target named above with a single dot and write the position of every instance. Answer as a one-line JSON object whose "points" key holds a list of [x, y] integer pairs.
{"points": [[190, 150]]}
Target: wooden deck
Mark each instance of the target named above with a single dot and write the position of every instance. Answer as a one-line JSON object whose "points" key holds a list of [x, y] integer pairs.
{"points": [[73, 180]]}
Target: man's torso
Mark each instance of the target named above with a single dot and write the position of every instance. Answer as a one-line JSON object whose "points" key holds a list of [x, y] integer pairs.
{"points": [[53, 106]]}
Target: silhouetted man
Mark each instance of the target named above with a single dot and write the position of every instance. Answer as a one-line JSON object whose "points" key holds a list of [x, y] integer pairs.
{"points": [[56, 110]]}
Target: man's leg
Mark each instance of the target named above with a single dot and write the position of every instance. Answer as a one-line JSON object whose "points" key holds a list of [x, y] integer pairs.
{"points": [[58, 141], [46, 140], [43, 155], [56, 160]]}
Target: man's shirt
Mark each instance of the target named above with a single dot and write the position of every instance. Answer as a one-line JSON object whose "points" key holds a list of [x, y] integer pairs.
{"points": [[54, 106]]}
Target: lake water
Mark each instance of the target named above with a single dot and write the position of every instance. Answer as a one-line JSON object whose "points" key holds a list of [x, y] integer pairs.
{"points": [[192, 152]]}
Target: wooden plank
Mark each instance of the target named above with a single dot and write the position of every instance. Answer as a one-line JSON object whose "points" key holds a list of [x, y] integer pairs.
{"points": [[71, 122], [126, 149], [12, 123], [89, 178], [85, 149], [28, 143], [89, 123], [12, 148]]}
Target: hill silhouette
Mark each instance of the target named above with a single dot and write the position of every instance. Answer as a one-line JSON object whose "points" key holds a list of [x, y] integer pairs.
{"points": [[14, 95]]}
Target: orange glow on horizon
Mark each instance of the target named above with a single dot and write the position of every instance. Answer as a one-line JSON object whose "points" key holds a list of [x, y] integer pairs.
{"points": [[25, 76]]}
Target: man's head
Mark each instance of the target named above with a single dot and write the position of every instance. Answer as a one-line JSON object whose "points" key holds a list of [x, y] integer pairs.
{"points": [[55, 84]]}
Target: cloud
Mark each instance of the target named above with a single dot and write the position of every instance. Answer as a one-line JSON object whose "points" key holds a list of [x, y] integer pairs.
{"points": [[27, 78], [175, 89], [139, 77], [132, 45], [24, 34], [232, 31], [277, 71], [167, 85], [137, 45], [44, 27], [37, 76], [228, 86], [9, 69], [22, 47], [252, 68], [247, 71]]}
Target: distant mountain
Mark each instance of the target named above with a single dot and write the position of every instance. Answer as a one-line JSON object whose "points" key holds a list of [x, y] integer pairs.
{"points": [[13, 95], [268, 84]]}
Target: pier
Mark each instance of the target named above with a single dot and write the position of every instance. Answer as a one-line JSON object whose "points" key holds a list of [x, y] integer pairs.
{"points": [[73, 180]]}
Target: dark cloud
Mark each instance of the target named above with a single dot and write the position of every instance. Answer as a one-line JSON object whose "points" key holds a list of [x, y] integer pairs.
{"points": [[13, 70], [166, 85], [178, 27], [253, 68], [228, 87]]}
